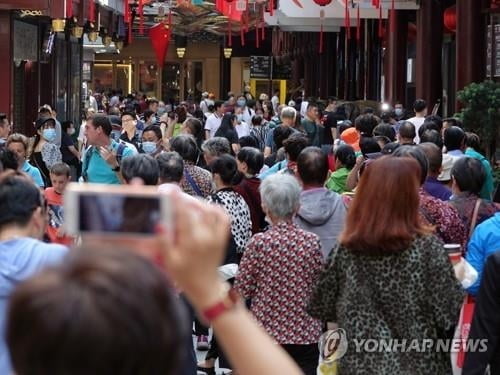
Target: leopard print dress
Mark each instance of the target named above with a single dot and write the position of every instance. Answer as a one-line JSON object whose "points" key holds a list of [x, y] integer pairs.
{"points": [[412, 294]]}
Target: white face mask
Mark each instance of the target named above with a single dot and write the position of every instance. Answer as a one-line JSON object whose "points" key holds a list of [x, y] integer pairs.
{"points": [[71, 131], [398, 111]]}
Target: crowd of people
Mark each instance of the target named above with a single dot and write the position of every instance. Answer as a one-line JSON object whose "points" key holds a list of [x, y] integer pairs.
{"points": [[331, 222]]}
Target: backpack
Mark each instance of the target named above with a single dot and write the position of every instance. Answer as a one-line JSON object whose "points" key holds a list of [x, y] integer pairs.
{"points": [[90, 151]]}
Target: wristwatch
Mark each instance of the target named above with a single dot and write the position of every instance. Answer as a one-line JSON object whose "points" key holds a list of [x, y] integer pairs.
{"points": [[229, 300], [116, 169]]}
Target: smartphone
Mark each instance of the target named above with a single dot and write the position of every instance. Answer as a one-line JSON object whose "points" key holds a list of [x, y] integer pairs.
{"points": [[115, 210]]}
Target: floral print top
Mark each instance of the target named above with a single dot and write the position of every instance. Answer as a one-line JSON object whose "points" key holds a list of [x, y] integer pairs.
{"points": [[278, 272], [201, 177]]}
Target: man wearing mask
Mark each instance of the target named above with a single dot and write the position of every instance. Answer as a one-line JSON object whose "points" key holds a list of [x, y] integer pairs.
{"points": [[399, 111], [247, 113], [152, 141]]}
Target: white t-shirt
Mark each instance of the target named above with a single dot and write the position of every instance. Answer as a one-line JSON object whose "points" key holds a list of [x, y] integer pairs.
{"points": [[276, 102], [212, 124], [248, 113], [242, 129], [418, 122], [303, 108]]}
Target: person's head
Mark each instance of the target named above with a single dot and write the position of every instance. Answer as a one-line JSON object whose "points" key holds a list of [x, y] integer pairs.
{"points": [[149, 117], [257, 120], [473, 141], [434, 157], [454, 138], [225, 171], [102, 311], [432, 136], [385, 130], [449, 122], [345, 157], [248, 141], [312, 111], [45, 111], [250, 161], [242, 101], [151, 139], [219, 107], [406, 133], [369, 145], [351, 137], [399, 109], [98, 130], [8, 160], [288, 116], [129, 120], [181, 113], [420, 107], [68, 127], [18, 144], [280, 197], [153, 105], [294, 145], [141, 166], [312, 167], [435, 121], [276, 92], [22, 206], [171, 167], [280, 134], [365, 124], [468, 175], [214, 147], [60, 177], [46, 128], [366, 228], [229, 121], [417, 154], [185, 145], [332, 103], [5, 127]]}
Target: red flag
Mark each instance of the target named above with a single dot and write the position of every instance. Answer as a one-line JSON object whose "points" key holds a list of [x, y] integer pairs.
{"points": [[69, 8], [91, 11], [160, 38], [227, 10]]}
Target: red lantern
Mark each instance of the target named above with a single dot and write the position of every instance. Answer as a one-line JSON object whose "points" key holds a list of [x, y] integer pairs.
{"points": [[450, 19], [160, 39], [321, 3]]}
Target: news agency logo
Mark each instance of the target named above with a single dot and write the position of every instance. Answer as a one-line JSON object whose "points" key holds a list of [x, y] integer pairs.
{"points": [[333, 345]]}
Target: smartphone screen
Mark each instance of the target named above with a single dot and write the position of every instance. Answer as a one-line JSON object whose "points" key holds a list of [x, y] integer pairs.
{"points": [[118, 213]]}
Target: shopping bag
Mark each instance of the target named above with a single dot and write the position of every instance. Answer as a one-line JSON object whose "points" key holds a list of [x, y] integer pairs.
{"points": [[462, 334]]}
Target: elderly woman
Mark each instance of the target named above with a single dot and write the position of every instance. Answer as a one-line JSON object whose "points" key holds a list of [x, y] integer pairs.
{"points": [[214, 147], [279, 271]]}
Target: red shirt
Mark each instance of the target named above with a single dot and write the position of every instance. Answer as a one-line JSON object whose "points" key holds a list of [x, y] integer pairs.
{"points": [[55, 211]]}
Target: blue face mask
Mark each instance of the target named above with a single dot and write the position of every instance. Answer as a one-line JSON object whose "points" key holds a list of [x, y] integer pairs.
{"points": [[149, 147], [241, 103], [49, 134]]}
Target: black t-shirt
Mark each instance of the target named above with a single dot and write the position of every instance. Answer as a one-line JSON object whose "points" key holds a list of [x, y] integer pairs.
{"points": [[230, 134], [330, 121], [67, 156]]}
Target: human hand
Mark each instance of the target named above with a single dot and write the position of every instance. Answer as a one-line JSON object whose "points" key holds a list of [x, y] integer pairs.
{"points": [[60, 232], [359, 161], [109, 156]]}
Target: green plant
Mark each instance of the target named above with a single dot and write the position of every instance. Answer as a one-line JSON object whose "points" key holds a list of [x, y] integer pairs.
{"points": [[481, 111]]}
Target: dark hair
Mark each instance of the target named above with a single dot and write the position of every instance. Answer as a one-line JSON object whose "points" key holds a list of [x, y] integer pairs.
{"points": [[429, 125], [473, 141], [343, 126], [435, 120], [389, 148], [60, 169], [155, 129], [417, 154], [171, 167], [186, 146], [419, 105], [295, 144], [152, 101], [432, 136], [130, 113], [385, 130], [102, 311], [196, 129], [312, 105], [407, 130], [8, 159], [257, 120], [346, 155], [365, 124], [368, 145], [181, 113], [454, 138], [65, 125], [434, 156], [280, 134], [248, 141], [218, 104], [453, 121], [225, 166], [469, 174], [312, 166], [253, 158], [147, 114], [19, 197], [141, 166], [103, 122]]}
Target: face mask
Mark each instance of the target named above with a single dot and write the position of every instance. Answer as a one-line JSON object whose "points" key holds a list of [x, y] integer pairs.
{"points": [[49, 135], [239, 117], [241, 103], [149, 147], [398, 111], [71, 131]]}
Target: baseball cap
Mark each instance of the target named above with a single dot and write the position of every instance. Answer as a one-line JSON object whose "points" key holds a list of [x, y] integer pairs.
{"points": [[351, 137]]}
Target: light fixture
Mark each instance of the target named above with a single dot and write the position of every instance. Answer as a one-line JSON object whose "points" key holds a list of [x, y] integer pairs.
{"points": [[92, 35], [228, 52], [119, 44], [58, 25], [180, 52], [77, 31], [106, 41]]}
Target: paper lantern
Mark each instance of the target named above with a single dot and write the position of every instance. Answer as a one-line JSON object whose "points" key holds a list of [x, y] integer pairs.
{"points": [[450, 18], [160, 38]]}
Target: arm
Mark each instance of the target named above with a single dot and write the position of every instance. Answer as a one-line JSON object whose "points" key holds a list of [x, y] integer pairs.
{"points": [[352, 178], [74, 151], [207, 134], [334, 133], [475, 257]]}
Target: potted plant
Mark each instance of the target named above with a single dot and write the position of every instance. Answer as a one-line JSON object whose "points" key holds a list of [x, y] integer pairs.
{"points": [[481, 112]]}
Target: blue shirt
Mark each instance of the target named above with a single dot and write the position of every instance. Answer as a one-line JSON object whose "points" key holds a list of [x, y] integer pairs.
{"points": [[488, 186], [274, 169], [21, 258], [98, 170], [34, 173], [437, 189], [484, 241]]}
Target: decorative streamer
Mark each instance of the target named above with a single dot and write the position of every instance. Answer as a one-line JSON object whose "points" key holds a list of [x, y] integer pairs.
{"points": [[380, 26], [257, 39], [358, 28], [242, 37], [229, 33], [347, 21], [321, 17], [393, 17], [271, 7], [69, 8], [141, 17], [130, 32], [126, 14], [91, 11], [262, 23]]}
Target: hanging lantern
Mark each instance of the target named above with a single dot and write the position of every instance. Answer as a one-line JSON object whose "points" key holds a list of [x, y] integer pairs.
{"points": [[141, 17], [450, 18], [58, 25], [321, 3], [228, 52], [160, 38]]}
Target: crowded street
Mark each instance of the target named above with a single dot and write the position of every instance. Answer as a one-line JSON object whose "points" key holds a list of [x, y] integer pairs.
{"points": [[250, 187]]}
